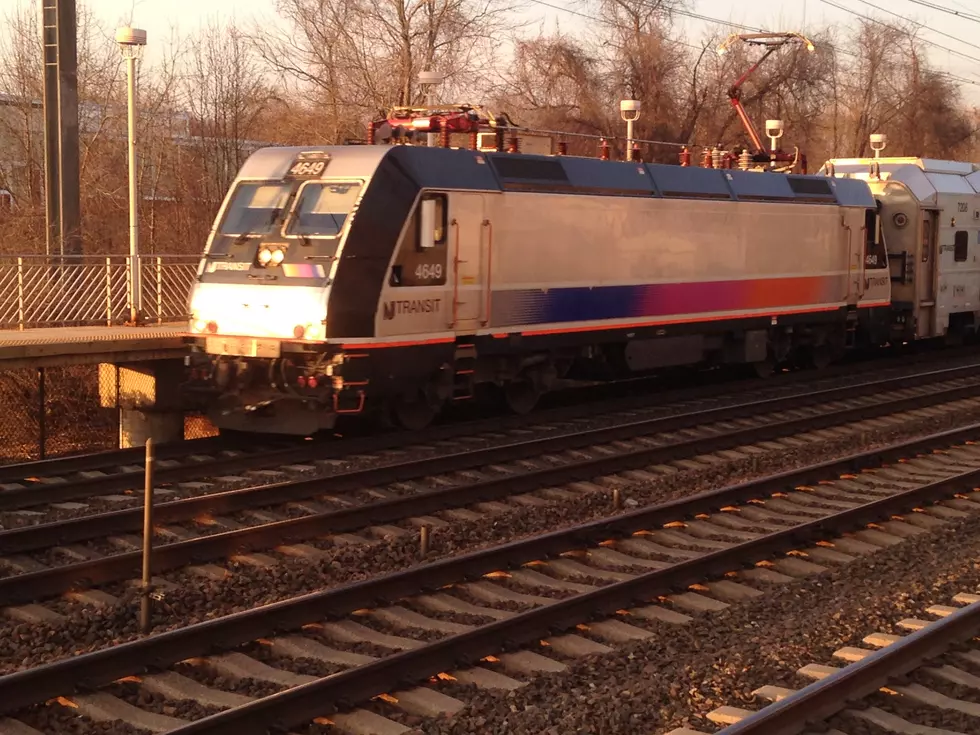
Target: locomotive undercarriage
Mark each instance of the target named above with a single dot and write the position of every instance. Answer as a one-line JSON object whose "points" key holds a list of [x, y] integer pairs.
{"points": [[304, 392]]}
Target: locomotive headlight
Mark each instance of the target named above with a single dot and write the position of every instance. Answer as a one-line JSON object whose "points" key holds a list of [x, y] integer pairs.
{"points": [[265, 255], [277, 256], [309, 332]]}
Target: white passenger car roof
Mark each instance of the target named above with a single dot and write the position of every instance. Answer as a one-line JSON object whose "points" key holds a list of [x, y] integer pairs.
{"points": [[926, 178]]}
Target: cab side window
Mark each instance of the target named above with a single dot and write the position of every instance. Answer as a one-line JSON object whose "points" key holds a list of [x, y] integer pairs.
{"points": [[874, 247], [422, 254], [961, 242]]}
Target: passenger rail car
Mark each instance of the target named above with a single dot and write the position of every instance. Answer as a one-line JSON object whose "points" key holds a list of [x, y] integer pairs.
{"points": [[930, 220], [341, 278]]}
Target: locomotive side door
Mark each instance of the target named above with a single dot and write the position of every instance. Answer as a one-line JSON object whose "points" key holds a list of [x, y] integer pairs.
{"points": [[469, 261], [925, 280]]}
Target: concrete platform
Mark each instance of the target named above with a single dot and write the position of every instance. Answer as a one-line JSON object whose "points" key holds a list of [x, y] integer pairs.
{"points": [[58, 346]]}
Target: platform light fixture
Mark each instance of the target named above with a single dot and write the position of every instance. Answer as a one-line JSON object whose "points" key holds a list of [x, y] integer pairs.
{"points": [[774, 129], [629, 110], [878, 143], [131, 42]]}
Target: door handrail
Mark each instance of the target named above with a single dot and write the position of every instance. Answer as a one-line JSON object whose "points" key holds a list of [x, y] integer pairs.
{"points": [[488, 299], [850, 254], [456, 261], [863, 258]]}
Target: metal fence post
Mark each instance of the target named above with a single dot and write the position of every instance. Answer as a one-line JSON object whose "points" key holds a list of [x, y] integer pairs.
{"points": [[42, 401], [108, 291], [130, 282], [147, 587], [159, 290], [20, 293]]}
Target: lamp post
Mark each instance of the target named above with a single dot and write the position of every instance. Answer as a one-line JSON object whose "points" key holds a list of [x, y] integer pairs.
{"points": [[131, 42], [629, 110], [429, 80]]}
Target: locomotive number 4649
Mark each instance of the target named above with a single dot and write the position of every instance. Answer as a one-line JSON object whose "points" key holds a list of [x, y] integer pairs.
{"points": [[308, 168], [427, 272]]}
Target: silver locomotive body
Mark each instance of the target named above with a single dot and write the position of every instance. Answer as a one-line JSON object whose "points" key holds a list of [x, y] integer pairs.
{"points": [[344, 276]]}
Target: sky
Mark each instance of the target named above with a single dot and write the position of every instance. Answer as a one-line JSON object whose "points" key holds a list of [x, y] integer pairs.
{"points": [[159, 17]]}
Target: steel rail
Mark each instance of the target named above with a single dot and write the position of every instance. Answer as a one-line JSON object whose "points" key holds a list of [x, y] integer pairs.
{"points": [[86, 527], [606, 391], [619, 395], [94, 526], [110, 458], [14, 472], [304, 703], [98, 668], [827, 697], [327, 447], [334, 447], [32, 586]]}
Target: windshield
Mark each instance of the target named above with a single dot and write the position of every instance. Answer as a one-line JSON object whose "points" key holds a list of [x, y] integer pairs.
{"points": [[255, 209], [322, 209]]}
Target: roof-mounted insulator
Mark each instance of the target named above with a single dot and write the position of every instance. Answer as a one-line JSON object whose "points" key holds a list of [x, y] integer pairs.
{"points": [[514, 145], [443, 133], [474, 140], [370, 133], [604, 150], [685, 156], [562, 148]]}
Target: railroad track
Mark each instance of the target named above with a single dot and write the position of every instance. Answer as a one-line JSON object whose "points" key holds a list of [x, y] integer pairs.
{"points": [[92, 551], [497, 616], [105, 480], [917, 670]]}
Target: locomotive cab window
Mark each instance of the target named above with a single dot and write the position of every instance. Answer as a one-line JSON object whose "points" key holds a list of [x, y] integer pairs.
{"points": [[322, 208], [255, 209], [961, 241], [421, 258]]}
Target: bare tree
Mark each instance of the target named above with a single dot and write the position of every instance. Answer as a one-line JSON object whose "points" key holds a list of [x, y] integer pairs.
{"points": [[354, 57], [226, 96], [21, 170]]}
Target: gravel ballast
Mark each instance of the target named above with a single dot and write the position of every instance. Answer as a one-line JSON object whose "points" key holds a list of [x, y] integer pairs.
{"points": [[675, 678], [195, 599]]}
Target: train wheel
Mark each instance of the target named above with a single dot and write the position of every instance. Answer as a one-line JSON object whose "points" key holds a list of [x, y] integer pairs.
{"points": [[521, 396], [412, 412]]}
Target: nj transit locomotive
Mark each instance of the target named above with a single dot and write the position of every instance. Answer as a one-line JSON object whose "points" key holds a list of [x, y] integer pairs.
{"points": [[341, 278]]}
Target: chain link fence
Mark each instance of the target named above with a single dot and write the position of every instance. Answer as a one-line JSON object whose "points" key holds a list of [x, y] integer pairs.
{"points": [[56, 411]]}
